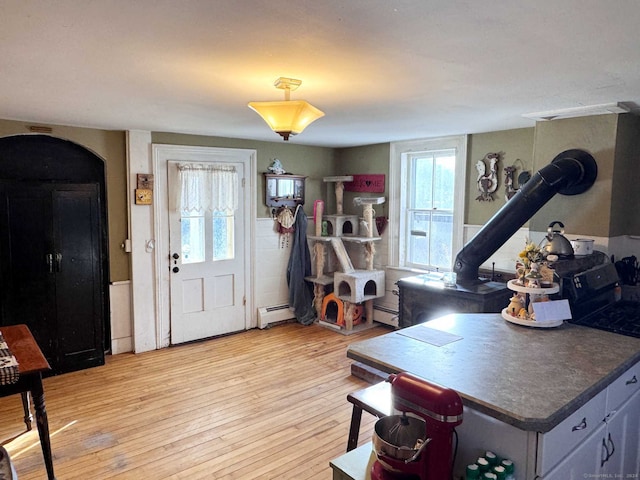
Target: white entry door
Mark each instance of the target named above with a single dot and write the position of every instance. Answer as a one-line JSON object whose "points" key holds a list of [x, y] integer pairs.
{"points": [[207, 263]]}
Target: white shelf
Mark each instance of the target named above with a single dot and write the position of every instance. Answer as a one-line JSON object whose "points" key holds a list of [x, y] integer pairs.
{"points": [[326, 279], [530, 323], [347, 298], [345, 238], [512, 285]]}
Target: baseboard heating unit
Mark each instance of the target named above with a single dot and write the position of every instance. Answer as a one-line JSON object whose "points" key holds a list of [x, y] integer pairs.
{"points": [[274, 314], [388, 316]]}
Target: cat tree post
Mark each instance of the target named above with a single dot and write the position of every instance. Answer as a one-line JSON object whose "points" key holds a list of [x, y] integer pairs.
{"points": [[369, 254]]}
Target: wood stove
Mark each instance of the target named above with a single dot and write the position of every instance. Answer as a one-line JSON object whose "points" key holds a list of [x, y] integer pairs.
{"points": [[422, 299]]}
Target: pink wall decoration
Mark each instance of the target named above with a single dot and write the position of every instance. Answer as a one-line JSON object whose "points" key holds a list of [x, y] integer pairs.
{"points": [[366, 183]]}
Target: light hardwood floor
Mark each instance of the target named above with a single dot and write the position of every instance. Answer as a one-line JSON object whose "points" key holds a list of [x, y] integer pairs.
{"points": [[261, 404]]}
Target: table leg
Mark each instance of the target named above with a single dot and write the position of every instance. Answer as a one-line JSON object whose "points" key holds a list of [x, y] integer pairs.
{"points": [[37, 394], [26, 406]]}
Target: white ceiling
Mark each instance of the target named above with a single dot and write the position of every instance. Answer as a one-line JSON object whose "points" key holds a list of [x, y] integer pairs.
{"points": [[381, 70]]}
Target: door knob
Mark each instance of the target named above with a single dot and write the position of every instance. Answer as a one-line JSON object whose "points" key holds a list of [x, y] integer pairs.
{"points": [[175, 269], [175, 256]]}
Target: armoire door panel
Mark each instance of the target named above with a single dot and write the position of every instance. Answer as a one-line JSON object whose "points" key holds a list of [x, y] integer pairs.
{"points": [[78, 292], [28, 289]]}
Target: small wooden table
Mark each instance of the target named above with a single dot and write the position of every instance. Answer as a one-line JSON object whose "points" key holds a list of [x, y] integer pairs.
{"points": [[31, 365]]}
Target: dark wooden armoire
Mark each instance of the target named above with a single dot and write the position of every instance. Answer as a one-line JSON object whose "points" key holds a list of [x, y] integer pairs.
{"points": [[54, 248]]}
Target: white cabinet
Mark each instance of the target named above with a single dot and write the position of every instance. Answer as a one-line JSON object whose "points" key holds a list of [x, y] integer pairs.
{"points": [[566, 437], [611, 447], [619, 447], [584, 461]]}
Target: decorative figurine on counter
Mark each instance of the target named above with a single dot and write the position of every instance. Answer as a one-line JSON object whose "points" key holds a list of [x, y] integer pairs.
{"points": [[487, 182], [515, 306], [530, 258], [521, 273], [533, 278]]}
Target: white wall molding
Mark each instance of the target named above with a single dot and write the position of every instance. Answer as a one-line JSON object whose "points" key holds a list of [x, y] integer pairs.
{"points": [[143, 274]]}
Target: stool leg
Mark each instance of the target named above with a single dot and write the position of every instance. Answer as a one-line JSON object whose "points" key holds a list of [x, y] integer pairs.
{"points": [[354, 429], [26, 406]]}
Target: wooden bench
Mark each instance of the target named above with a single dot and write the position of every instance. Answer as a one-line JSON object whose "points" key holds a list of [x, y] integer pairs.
{"points": [[376, 400]]}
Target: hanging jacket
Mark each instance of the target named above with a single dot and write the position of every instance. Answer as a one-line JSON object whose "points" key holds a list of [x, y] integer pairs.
{"points": [[300, 290]]}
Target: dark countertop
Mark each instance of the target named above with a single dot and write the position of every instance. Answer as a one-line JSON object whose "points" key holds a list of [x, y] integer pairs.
{"points": [[532, 378]]}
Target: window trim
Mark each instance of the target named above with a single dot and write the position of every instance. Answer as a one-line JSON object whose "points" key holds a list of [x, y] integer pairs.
{"points": [[398, 184]]}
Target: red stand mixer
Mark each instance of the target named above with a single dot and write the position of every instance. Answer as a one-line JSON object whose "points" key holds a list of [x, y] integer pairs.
{"points": [[418, 446]]}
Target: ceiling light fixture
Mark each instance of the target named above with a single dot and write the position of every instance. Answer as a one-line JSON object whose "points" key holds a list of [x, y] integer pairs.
{"points": [[288, 117], [579, 111]]}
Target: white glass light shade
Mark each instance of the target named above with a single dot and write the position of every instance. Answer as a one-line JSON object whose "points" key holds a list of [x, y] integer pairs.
{"points": [[288, 117]]}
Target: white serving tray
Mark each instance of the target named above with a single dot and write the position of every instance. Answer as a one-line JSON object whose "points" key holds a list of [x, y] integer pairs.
{"points": [[530, 323]]}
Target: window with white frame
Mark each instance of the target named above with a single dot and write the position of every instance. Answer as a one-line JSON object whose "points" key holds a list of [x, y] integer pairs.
{"points": [[427, 180]]}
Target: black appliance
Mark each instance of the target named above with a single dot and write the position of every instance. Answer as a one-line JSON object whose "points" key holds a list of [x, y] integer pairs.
{"points": [[591, 285]]}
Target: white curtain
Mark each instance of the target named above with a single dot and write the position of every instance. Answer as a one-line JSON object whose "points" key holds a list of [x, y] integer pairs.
{"points": [[207, 187]]}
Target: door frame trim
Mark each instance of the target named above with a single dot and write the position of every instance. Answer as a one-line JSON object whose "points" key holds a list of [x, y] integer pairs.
{"points": [[161, 153]]}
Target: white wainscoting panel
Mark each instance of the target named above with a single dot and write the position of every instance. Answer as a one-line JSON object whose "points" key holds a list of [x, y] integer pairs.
{"points": [[270, 265], [121, 324], [620, 247]]}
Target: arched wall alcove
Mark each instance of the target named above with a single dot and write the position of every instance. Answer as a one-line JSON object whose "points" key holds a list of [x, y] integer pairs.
{"points": [[54, 257]]}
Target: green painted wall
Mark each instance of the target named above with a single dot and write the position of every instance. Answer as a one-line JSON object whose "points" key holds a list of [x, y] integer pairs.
{"points": [[590, 212], [515, 148], [625, 192], [111, 147], [314, 162]]}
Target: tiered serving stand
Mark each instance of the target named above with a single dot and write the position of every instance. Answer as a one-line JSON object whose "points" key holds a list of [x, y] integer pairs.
{"points": [[513, 286]]}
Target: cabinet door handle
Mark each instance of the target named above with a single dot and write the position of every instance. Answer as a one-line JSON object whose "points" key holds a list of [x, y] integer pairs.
{"points": [[58, 261], [604, 454], [633, 380], [49, 260], [613, 447], [581, 426]]}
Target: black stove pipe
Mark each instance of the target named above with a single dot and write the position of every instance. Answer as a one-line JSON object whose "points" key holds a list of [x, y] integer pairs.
{"points": [[566, 175]]}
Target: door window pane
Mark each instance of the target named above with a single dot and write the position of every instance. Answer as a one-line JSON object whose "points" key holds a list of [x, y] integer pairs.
{"points": [[222, 228], [192, 235]]}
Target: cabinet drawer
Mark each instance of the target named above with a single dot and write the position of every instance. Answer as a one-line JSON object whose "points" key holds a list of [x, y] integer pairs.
{"points": [[624, 387], [553, 446]]}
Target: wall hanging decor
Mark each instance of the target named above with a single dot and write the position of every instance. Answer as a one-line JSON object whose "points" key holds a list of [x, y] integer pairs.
{"points": [[487, 180], [285, 220], [510, 188], [373, 183]]}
